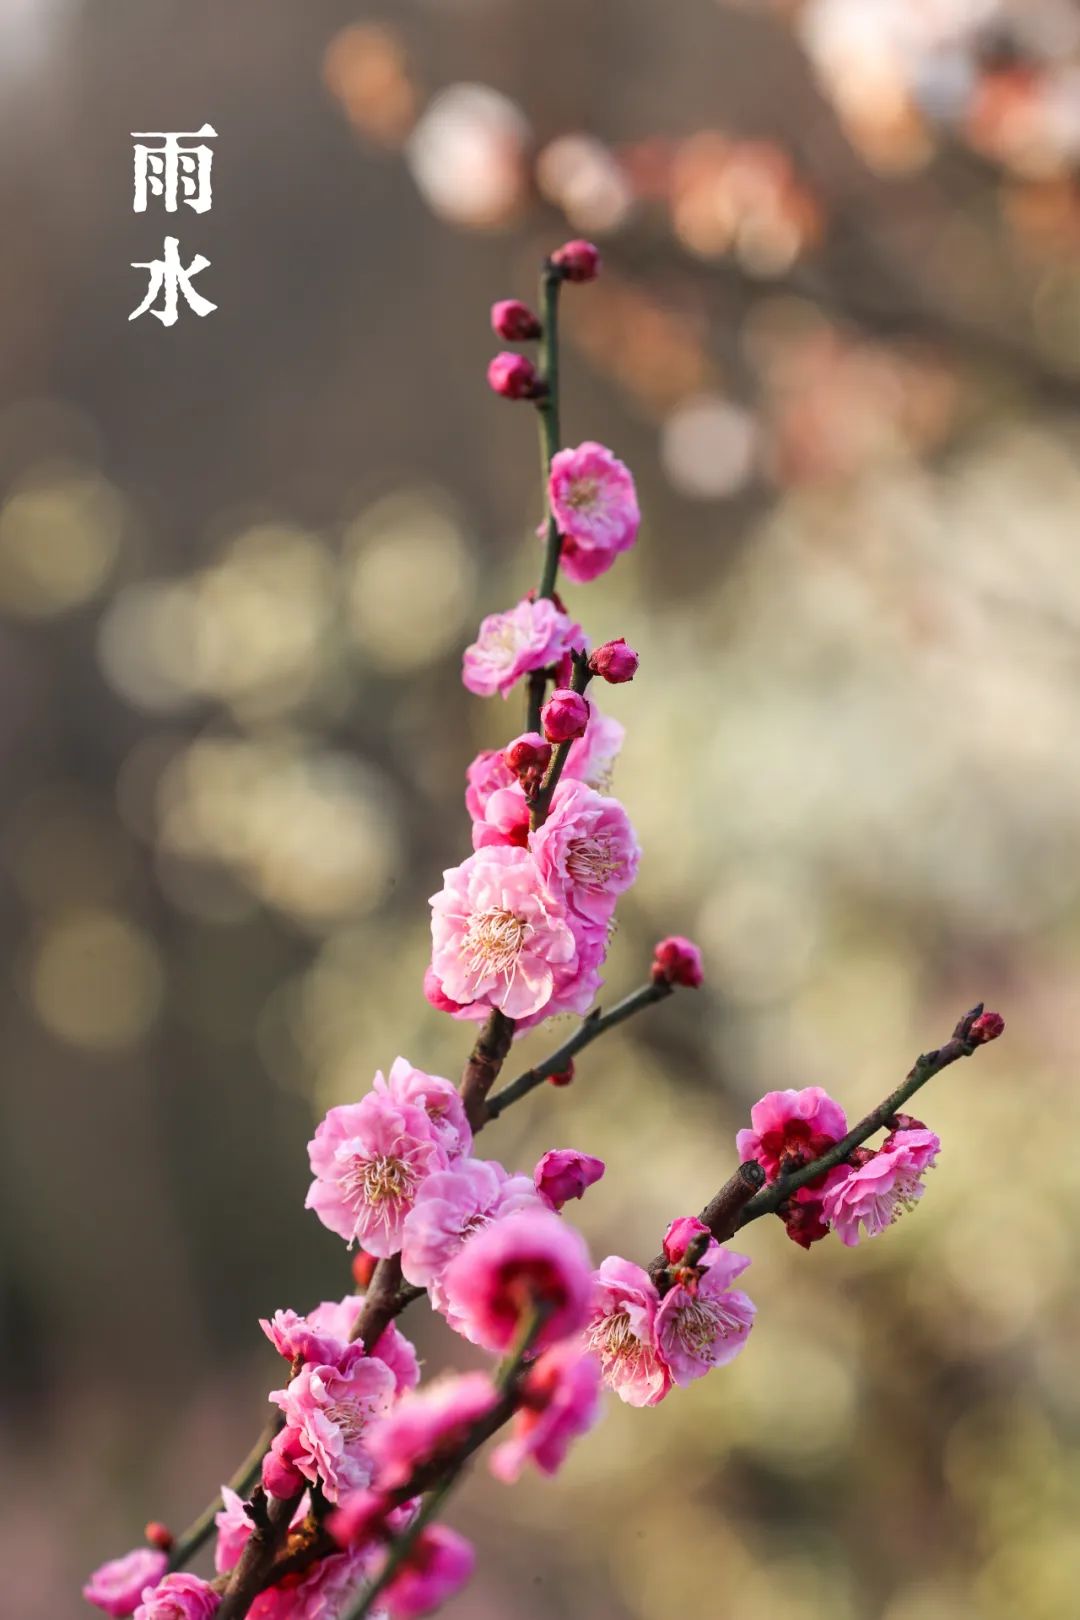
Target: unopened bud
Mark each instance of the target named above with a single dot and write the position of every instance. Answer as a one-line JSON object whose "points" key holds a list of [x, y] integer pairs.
{"points": [[514, 321], [987, 1027], [614, 662], [528, 756], [677, 961], [578, 261], [514, 376], [562, 1077], [564, 716], [159, 1535], [363, 1267]]}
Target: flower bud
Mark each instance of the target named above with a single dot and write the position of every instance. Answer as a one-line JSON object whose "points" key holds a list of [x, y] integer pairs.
{"points": [[363, 1267], [514, 321], [564, 1077], [528, 756], [159, 1535], [564, 1173], [987, 1027], [614, 662], [679, 1234], [578, 261], [513, 376], [677, 961], [564, 716]]}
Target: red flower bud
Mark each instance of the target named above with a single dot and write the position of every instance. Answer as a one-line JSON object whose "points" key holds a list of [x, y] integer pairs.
{"points": [[564, 716], [513, 376], [363, 1267], [564, 1076], [528, 755], [677, 961], [987, 1027], [159, 1536], [578, 261], [514, 321], [614, 662]]}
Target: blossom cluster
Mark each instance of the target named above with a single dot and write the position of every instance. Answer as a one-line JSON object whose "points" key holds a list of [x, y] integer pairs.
{"points": [[520, 931]]}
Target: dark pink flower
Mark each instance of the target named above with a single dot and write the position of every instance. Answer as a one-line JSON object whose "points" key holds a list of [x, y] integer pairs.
{"points": [[368, 1160], [514, 321], [118, 1585], [621, 1332], [564, 716], [615, 662], [452, 1206], [328, 1411], [987, 1027], [879, 1191], [324, 1591], [677, 961], [438, 1565], [578, 260], [428, 1425], [594, 504], [702, 1321], [791, 1129], [178, 1597], [513, 376], [563, 1173], [587, 850], [525, 1261], [560, 1401], [680, 1233]]}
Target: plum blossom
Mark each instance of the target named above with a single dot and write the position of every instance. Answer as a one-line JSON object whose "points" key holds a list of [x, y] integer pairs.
{"points": [[592, 758], [621, 1331], [565, 715], [563, 1173], [526, 1260], [487, 772], [178, 1597], [326, 1590], [587, 850], [234, 1527], [327, 1411], [452, 1205], [439, 1099], [512, 375], [368, 1159], [438, 1565], [560, 1401], [505, 820], [702, 1321], [499, 936], [614, 662], [791, 1128], [118, 1585], [680, 1234], [594, 503], [879, 1191], [325, 1335], [428, 1424], [365, 1515], [532, 635]]}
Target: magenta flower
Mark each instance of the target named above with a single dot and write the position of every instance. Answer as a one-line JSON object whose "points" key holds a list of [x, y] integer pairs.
{"points": [[790, 1129], [595, 506], [487, 772], [438, 1565], [702, 1321], [615, 662], [513, 376], [592, 758], [532, 635], [514, 321], [368, 1159], [328, 1411], [498, 936], [564, 716], [118, 1585], [325, 1591], [324, 1336], [439, 1100], [578, 260], [178, 1597], [526, 1260], [677, 961], [879, 1191], [452, 1205], [621, 1331], [234, 1527], [428, 1425], [560, 1401], [586, 849], [680, 1233], [563, 1173]]}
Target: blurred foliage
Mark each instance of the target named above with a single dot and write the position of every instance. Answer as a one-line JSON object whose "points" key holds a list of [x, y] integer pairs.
{"points": [[839, 341]]}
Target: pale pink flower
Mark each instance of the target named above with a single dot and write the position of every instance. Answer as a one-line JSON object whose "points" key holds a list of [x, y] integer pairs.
{"points": [[563, 1173], [498, 935], [505, 820], [439, 1099], [326, 1591], [327, 1414], [438, 1565], [526, 1260], [368, 1160], [428, 1425], [452, 1205], [118, 1585], [702, 1321], [560, 1401], [532, 635], [178, 1597], [592, 758], [587, 850], [791, 1128], [487, 772], [595, 507], [621, 1331], [879, 1191]]}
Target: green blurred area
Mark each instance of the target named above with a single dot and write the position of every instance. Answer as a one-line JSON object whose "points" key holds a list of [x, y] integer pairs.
{"points": [[239, 560]]}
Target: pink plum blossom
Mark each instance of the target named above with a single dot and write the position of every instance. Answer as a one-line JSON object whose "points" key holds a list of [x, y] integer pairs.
{"points": [[178, 1597], [564, 716], [594, 503], [505, 820], [428, 1425], [368, 1159], [526, 1260], [499, 936], [563, 1173], [327, 1414], [326, 1590], [438, 1565], [487, 772], [702, 1321], [560, 1401], [451, 1206], [592, 758], [532, 635], [234, 1527], [118, 1585], [586, 849], [365, 1515], [879, 1191], [439, 1099], [791, 1128], [680, 1233], [621, 1331], [325, 1335]]}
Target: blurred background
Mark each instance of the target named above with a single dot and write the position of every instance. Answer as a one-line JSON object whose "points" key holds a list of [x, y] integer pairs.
{"points": [[838, 340]]}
